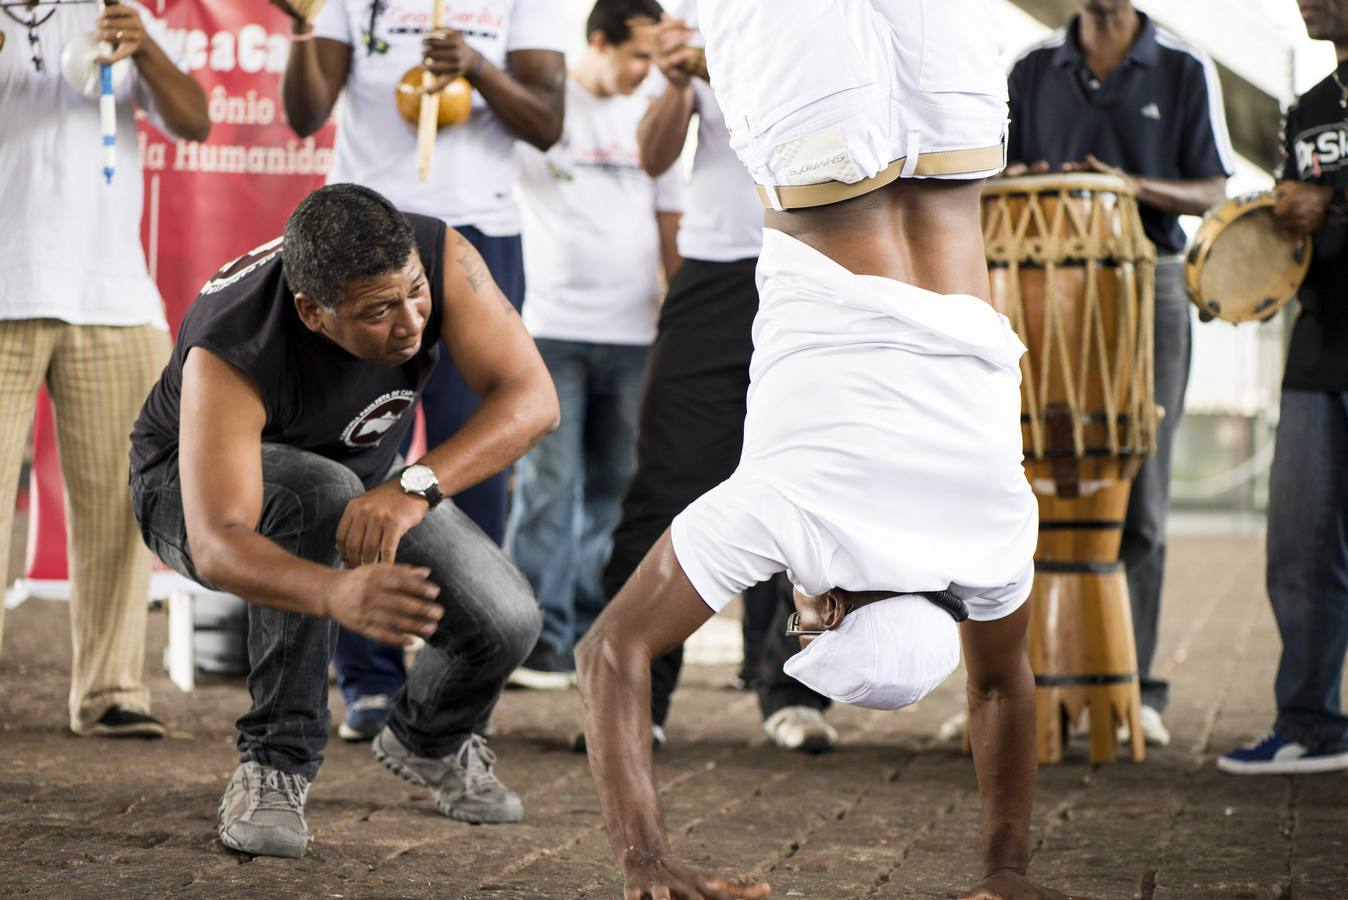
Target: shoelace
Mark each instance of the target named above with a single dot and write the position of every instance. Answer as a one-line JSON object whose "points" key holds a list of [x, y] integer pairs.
{"points": [[371, 701], [476, 758], [280, 791]]}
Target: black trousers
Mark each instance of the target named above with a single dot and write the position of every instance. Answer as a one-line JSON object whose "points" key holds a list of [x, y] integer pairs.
{"points": [[689, 438]]}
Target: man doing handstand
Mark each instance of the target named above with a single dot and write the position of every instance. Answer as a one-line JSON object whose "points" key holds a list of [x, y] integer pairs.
{"points": [[882, 448]]}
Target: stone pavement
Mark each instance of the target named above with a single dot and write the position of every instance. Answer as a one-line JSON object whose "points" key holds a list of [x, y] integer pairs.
{"points": [[891, 814]]}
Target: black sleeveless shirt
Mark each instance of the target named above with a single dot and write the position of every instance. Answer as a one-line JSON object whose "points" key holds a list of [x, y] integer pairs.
{"points": [[317, 396]]}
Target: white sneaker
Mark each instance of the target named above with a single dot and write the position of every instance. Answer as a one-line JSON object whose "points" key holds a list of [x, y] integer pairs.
{"points": [[800, 728], [262, 812], [1154, 731]]}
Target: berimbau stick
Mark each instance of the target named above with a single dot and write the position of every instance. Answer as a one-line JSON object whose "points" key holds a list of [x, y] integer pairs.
{"points": [[107, 110], [430, 109]]}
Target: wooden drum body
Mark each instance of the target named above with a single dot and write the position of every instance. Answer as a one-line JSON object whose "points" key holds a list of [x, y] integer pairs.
{"points": [[1073, 271]]}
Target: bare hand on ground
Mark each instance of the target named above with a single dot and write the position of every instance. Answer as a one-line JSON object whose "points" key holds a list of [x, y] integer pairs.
{"points": [[669, 878], [1301, 207], [374, 523], [1005, 884], [389, 603]]}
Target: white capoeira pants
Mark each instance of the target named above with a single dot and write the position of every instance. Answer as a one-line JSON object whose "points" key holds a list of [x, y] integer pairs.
{"points": [[816, 91], [882, 446]]}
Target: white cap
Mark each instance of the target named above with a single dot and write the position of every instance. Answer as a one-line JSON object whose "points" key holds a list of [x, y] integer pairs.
{"points": [[884, 655]]}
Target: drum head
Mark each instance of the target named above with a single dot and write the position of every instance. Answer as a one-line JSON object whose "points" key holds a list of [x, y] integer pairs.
{"points": [[1246, 266]]}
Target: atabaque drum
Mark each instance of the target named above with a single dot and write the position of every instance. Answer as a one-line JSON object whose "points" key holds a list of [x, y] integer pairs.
{"points": [[1074, 272]]}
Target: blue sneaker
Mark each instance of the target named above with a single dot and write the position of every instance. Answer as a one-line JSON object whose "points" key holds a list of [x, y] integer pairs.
{"points": [[365, 718], [1274, 754]]}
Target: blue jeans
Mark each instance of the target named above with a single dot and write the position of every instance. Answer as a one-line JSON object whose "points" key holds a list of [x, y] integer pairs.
{"points": [[1308, 564], [569, 489], [365, 667], [490, 624]]}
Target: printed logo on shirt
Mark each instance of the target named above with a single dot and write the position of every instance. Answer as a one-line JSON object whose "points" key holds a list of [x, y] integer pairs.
{"points": [[237, 269], [372, 43], [374, 421], [614, 159], [1322, 149], [1151, 111], [485, 20]]}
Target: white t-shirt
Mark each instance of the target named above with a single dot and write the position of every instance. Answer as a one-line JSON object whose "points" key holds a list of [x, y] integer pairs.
{"points": [[723, 220], [472, 172], [591, 242], [69, 243]]}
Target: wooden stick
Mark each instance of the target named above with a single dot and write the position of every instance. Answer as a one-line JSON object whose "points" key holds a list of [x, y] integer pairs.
{"points": [[430, 109]]}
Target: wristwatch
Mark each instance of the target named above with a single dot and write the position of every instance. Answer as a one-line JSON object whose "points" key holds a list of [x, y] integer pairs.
{"points": [[420, 481]]}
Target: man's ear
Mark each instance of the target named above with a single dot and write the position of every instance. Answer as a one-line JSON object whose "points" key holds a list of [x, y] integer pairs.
{"points": [[310, 313], [834, 609], [599, 41]]}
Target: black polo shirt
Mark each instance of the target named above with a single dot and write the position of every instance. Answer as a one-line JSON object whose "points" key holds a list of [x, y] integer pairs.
{"points": [[1315, 149], [1159, 114]]}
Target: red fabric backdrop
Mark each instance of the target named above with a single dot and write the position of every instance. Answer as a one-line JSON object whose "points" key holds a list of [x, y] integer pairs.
{"points": [[204, 203]]}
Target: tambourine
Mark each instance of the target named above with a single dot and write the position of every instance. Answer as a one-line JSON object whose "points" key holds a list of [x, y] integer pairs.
{"points": [[456, 99], [1241, 264]]}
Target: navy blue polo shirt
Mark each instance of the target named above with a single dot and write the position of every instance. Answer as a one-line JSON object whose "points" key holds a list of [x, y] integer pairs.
{"points": [[1159, 113]]}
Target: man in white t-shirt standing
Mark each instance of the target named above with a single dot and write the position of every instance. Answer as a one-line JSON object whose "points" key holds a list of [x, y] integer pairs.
{"points": [[692, 415], [511, 53], [80, 314], [597, 230]]}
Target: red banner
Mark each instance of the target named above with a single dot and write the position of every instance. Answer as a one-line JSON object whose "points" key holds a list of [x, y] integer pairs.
{"points": [[205, 203]]}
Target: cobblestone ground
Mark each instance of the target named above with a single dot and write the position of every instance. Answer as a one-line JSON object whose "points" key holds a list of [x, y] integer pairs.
{"points": [[893, 813]]}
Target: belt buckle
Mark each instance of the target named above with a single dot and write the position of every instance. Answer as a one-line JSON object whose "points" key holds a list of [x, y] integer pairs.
{"points": [[793, 628]]}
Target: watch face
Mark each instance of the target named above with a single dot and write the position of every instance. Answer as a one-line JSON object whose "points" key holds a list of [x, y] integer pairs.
{"points": [[418, 478]]}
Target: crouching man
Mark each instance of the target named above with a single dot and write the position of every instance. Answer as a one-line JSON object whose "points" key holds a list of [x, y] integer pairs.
{"points": [[265, 463]]}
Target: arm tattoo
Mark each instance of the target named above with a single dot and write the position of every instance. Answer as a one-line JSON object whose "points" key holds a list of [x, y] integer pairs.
{"points": [[477, 273], [474, 269]]}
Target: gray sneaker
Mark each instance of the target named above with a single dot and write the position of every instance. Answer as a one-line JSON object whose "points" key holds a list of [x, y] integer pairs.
{"points": [[461, 783], [262, 812]]}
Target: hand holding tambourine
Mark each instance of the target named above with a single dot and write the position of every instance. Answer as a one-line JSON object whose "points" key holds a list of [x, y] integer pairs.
{"points": [[1244, 263]]}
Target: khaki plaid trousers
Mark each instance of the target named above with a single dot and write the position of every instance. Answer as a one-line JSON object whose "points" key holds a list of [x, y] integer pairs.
{"points": [[98, 376]]}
